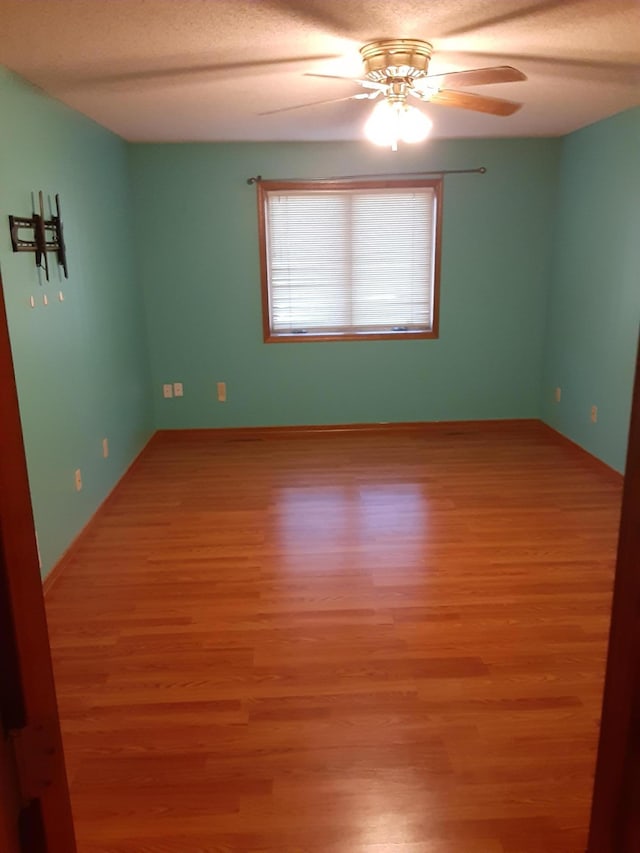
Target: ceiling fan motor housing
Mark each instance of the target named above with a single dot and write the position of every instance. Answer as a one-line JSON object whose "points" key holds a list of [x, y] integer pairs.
{"points": [[396, 58]]}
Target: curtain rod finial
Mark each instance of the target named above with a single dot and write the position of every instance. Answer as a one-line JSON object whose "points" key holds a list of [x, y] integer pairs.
{"points": [[254, 180]]}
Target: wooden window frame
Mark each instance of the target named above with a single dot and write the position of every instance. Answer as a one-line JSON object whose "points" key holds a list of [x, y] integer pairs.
{"points": [[265, 187]]}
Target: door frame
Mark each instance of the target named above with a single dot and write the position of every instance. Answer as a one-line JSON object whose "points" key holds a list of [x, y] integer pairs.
{"points": [[35, 810], [615, 809]]}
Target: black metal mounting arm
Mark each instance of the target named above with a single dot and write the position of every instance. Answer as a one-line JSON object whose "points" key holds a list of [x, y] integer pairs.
{"points": [[47, 236]]}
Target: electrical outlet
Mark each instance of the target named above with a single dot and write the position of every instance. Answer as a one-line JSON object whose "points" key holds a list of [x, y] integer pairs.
{"points": [[594, 414], [105, 448], [222, 392], [78, 479], [178, 390], [167, 390], [558, 394]]}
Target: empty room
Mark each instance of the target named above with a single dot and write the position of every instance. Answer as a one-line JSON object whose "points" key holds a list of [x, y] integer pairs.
{"points": [[320, 452]]}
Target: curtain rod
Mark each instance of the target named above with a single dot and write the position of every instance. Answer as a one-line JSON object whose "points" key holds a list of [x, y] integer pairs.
{"points": [[480, 171]]}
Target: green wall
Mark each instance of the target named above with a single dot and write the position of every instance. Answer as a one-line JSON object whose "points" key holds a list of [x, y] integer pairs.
{"points": [[539, 289], [198, 260], [81, 364], [594, 310]]}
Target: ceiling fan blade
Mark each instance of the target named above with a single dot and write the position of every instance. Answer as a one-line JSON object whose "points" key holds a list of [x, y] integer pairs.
{"points": [[477, 77], [358, 97], [601, 70], [366, 84], [478, 103]]}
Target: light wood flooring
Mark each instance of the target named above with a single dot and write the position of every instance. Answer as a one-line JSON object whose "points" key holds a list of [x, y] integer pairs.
{"points": [[385, 642]]}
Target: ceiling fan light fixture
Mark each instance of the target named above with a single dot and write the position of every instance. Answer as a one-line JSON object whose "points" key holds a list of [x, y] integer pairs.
{"points": [[391, 122], [415, 126]]}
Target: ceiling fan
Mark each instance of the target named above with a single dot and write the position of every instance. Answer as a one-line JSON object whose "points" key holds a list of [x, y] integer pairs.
{"points": [[397, 69]]}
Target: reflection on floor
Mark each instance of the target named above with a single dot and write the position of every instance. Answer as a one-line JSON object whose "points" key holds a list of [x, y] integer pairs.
{"points": [[339, 643]]}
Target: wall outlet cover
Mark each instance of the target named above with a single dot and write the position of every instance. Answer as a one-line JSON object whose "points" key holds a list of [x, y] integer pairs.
{"points": [[167, 390]]}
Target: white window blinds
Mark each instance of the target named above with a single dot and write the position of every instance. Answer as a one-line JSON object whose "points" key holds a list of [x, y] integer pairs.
{"points": [[350, 261]]}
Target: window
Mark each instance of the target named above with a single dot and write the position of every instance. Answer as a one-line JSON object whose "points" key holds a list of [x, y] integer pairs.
{"points": [[350, 260]]}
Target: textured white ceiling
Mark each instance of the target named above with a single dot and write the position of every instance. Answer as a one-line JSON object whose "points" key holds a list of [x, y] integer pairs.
{"points": [[202, 70]]}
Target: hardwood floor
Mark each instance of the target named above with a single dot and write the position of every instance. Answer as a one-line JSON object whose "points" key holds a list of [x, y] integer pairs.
{"points": [[339, 643]]}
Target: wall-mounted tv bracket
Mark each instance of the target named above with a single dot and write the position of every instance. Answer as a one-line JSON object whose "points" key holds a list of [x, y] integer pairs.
{"points": [[47, 236]]}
